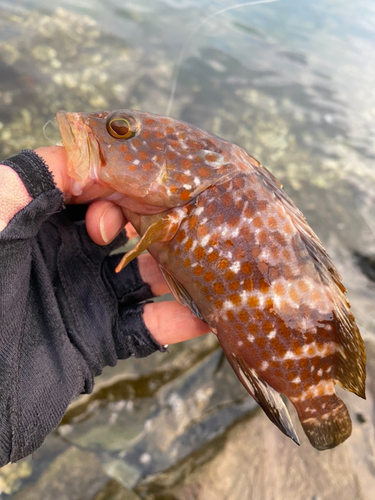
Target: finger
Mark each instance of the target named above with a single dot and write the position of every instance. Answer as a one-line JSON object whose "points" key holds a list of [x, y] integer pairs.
{"points": [[151, 274], [130, 231], [104, 221], [170, 322]]}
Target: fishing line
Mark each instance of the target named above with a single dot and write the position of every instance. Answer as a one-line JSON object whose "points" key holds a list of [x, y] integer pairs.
{"points": [[46, 136], [181, 55]]}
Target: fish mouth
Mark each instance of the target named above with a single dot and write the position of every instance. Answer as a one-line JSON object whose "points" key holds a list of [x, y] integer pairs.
{"points": [[81, 147]]}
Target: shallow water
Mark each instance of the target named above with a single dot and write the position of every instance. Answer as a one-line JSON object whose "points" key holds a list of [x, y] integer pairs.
{"points": [[292, 82]]}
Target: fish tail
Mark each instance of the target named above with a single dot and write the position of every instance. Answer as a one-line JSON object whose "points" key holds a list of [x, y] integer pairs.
{"points": [[325, 420]]}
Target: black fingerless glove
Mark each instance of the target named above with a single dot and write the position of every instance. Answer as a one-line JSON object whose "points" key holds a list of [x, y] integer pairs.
{"points": [[64, 312]]}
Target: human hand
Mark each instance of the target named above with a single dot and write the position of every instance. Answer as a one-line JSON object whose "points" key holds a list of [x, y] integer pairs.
{"points": [[168, 322]]}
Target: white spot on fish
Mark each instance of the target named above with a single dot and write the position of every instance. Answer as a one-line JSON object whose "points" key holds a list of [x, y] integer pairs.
{"points": [[187, 186], [297, 380], [199, 210], [272, 334], [264, 365], [235, 267], [250, 337], [205, 240], [240, 343]]}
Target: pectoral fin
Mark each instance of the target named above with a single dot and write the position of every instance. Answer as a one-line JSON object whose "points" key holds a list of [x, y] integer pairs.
{"points": [[179, 292], [269, 399], [160, 231]]}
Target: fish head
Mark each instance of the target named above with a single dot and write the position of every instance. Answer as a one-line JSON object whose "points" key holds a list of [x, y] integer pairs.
{"points": [[164, 162]]}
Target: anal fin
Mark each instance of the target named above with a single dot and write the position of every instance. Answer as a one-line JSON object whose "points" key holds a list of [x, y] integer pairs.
{"points": [[270, 400]]}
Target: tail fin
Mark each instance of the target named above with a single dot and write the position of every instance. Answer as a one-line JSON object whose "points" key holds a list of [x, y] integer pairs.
{"points": [[325, 420]]}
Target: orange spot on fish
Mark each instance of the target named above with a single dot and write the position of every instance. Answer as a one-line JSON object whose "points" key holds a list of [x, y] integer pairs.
{"points": [[218, 303], [186, 164], [136, 143], [180, 236], [193, 221], [199, 252], [262, 205], [263, 286], [230, 315], [213, 256], [184, 195], [223, 264], [234, 285], [279, 238], [249, 212], [132, 168], [123, 148], [171, 156], [143, 155], [188, 244], [219, 288], [158, 146], [233, 221], [219, 219], [258, 222], [146, 134], [210, 210], [267, 326], [198, 271], [263, 237], [214, 240], [209, 276], [235, 299], [204, 172], [246, 268], [288, 228], [279, 289], [194, 144], [202, 231], [244, 316], [169, 130], [226, 199], [187, 262], [148, 166], [177, 252], [211, 157], [272, 222], [128, 157], [294, 295], [248, 285], [159, 135], [238, 182], [253, 301], [278, 347], [303, 286]]}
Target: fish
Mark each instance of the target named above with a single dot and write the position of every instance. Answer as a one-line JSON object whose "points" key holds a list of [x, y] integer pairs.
{"points": [[235, 249]]}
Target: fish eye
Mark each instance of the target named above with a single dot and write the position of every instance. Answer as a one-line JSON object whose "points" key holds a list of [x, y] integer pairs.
{"points": [[121, 127]]}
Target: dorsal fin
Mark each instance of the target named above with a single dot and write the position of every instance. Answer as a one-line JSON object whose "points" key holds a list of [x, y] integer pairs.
{"points": [[350, 371]]}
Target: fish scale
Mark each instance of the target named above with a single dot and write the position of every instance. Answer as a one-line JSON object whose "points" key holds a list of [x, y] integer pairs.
{"points": [[235, 249]]}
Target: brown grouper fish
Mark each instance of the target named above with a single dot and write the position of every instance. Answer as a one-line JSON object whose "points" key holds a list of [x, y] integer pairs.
{"points": [[234, 249]]}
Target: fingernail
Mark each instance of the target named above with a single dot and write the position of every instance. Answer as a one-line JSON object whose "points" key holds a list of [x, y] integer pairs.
{"points": [[111, 223]]}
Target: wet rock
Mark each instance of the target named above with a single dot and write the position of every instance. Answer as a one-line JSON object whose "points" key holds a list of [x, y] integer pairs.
{"points": [[74, 475], [115, 491], [254, 460]]}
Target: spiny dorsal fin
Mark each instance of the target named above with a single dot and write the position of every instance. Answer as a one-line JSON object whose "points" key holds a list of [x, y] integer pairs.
{"points": [[351, 364]]}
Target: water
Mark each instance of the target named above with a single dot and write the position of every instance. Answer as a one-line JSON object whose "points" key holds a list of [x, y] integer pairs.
{"points": [[292, 82]]}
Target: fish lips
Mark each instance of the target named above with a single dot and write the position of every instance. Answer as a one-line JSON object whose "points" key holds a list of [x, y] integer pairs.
{"points": [[81, 147]]}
